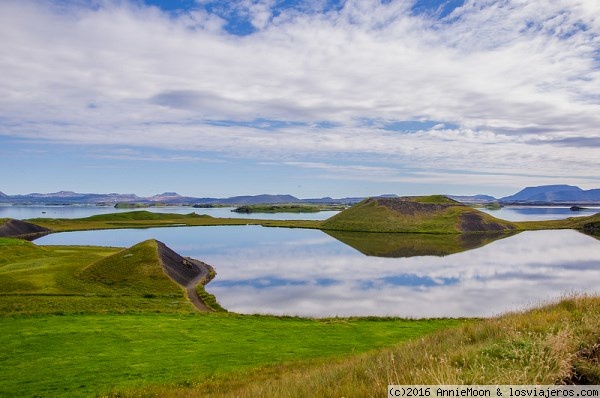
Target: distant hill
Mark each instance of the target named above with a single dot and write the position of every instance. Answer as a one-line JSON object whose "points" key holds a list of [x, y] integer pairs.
{"points": [[259, 199], [173, 198], [474, 199], [426, 214], [548, 194], [68, 197], [554, 194]]}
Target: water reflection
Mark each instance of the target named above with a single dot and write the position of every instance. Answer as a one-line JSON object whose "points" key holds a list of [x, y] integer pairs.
{"points": [[308, 273], [23, 212], [323, 279], [539, 213], [410, 245]]}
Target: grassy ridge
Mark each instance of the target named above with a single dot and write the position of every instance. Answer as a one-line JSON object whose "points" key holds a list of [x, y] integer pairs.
{"points": [[146, 219], [554, 344]]}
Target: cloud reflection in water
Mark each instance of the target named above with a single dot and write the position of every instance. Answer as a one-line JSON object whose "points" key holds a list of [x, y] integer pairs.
{"points": [[505, 275]]}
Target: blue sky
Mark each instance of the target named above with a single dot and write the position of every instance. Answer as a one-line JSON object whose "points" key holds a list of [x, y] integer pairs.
{"points": [[312, 98]]}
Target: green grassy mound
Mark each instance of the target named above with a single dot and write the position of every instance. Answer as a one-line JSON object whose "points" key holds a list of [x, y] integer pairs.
{"points": [[430, 214], [142, 215], [133, 271], [85, 279]]}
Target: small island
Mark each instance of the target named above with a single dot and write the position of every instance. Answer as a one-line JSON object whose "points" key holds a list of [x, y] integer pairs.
{"points": [[287, 208]]}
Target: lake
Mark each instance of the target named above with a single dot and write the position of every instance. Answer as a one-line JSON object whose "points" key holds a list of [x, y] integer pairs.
{"points": [[310, 273], [535, 213], [511, 213], [23, 212]]}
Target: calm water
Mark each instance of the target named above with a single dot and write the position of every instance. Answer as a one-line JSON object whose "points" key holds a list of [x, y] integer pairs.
{"points": [[513, 213], [26, 212], [309, 273], [524, 213]]}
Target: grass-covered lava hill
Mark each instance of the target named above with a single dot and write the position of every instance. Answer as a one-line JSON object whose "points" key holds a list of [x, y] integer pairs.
{"points": [[420, 214]]}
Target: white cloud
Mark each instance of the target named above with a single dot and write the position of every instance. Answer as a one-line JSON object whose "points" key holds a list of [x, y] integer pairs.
{"points": [[520, 78]]}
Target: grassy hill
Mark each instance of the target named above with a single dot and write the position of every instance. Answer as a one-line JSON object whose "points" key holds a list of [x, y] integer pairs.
{"points": [[429, 214], [141, 215], [134, 271], [85, 279]]}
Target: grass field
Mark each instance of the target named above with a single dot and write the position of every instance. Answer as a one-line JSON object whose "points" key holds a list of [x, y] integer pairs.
{"points": [[554, 344], [88, 354]]}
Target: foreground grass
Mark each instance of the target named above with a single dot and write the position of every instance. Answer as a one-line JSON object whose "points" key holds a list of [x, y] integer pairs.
{"points": [[81, 355], [556, 344]]}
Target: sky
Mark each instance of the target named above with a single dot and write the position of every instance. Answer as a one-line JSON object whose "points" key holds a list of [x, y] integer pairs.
{"points": [[311, 98]]}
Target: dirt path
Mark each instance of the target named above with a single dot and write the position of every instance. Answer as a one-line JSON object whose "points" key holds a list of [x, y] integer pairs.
{"points": [[190, 288], [186, 272]]}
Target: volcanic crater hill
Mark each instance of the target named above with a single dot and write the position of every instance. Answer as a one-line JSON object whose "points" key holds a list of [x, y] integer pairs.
{"points": [[421, 214], [149, 269], [11, 228]]}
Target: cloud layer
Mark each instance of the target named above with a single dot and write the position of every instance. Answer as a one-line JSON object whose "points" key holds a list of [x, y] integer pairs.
{"points": [[514, 85]]}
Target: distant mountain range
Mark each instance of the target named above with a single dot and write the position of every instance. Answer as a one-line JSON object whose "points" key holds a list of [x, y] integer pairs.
{"points": [[173, 198], [554, 194], [547, 194]]}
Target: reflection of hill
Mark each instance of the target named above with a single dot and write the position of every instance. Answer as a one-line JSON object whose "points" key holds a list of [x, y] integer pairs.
{"points": [[410, 245]]}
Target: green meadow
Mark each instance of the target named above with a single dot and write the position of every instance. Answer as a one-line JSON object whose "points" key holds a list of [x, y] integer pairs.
{"points": [[88, 354], [553, 344]]}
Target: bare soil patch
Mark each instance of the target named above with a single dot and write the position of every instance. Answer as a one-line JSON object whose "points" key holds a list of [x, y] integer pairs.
{"points": [[475, 222], [22, 229]]}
